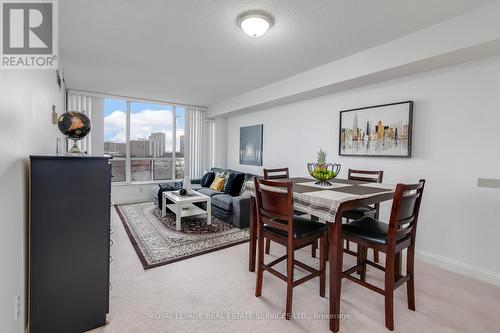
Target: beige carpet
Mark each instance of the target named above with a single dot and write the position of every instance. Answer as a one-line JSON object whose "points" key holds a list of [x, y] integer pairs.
{"points": [[220, 283]]}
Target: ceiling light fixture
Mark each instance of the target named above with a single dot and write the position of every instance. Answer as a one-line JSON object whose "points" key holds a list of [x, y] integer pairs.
{"points": [[255, 23]]}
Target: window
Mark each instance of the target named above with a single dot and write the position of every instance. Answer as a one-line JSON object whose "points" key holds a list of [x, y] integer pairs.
{"points": [[115, 141], [146, 140]]}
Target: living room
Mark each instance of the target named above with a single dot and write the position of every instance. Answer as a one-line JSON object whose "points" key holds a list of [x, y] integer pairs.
{"points": [[238, 166]]}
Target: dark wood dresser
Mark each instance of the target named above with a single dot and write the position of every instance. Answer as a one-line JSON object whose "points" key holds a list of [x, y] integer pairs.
{"points": [[69, 239]]}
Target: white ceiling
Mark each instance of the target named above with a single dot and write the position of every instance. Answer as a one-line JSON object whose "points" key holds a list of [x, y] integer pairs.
{"points": [[192, 51]]}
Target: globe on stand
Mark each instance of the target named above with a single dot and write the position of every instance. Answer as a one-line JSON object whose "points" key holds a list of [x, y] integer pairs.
{"points": [[75, 126]]}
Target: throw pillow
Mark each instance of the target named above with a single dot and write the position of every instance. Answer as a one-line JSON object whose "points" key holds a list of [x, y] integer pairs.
{"points": [[218, 184], [234, 183], [222, 174], [207, 179]]}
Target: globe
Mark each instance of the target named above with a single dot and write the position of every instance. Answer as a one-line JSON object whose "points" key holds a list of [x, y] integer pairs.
{"points": [[74, 125]]}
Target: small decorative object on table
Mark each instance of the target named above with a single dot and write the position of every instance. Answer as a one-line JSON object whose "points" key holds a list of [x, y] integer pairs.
{"points": [[323, 171], [75, 126], [183, 191]]}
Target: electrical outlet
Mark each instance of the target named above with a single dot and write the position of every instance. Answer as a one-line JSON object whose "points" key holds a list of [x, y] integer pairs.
{"points": [[17, 312]]}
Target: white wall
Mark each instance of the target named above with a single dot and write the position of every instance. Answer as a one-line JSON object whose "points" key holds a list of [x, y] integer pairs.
{"points": [[26, 99], [456, 140], [132, 193]]}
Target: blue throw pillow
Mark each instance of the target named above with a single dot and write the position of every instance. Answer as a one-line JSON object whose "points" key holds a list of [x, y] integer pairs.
{"points": [[207, 179]]}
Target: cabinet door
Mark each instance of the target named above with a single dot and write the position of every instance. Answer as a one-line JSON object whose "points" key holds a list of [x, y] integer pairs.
{"points": [[69, 244]]}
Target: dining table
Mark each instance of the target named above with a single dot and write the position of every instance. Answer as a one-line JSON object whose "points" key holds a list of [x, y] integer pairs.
{"points": [[327, 203]]}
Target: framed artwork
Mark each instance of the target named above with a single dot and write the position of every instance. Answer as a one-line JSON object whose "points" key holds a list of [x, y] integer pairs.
{"points": [[380, 130], [251, 145]]}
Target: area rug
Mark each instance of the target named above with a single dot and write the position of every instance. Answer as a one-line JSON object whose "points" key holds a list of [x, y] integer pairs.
{"points": [[157, 243]]}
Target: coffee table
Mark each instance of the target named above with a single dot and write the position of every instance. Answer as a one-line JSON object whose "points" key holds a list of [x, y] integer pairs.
{"points": [[183, 206]]}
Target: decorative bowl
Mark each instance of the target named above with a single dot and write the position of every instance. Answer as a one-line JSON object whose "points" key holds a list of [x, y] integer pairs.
{"points": [[323, 172]]}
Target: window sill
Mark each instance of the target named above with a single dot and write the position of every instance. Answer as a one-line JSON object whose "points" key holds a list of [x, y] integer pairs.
{"points": [[148, 182]]}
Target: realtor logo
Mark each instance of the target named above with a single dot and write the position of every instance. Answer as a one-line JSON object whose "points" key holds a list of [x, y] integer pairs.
{"points": [[29, 34]]}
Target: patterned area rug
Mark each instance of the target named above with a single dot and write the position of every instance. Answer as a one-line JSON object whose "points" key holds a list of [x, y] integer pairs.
{"points": [[157, 243]]}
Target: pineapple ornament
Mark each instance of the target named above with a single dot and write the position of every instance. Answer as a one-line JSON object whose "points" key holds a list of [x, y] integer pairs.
{"points": [[322, 171]]}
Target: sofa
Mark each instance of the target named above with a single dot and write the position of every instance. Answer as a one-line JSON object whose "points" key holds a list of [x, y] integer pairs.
{"points": [[232, 209]]}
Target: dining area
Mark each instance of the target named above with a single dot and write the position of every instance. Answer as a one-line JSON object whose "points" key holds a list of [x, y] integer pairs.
{"points": [[335, 217]]}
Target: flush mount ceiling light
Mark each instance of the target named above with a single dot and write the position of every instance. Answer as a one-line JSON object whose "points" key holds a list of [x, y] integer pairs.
{"points": [[255, 23]]}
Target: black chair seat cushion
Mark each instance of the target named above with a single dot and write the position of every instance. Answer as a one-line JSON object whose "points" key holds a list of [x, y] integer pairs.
{"points": [[359, 212], [234, 182], [207, 179], [304, 227], [369, 229]]}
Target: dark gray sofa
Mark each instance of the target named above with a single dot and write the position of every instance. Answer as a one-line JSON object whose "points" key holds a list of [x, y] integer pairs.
{"points": [[235, 210]]}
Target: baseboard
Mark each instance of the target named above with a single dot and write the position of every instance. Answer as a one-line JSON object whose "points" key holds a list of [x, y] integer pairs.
{"points": [[126, 201], [459, 267]]}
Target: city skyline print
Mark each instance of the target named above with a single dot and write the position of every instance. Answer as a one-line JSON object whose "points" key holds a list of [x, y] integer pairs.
{"points": [[380, 130]]}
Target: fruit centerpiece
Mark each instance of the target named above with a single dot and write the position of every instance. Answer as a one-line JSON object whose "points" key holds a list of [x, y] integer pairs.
{"points": [[322, 171]]}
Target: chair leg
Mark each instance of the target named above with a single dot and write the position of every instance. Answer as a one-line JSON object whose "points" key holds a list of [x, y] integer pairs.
{"points": [[327, 253], [268, 245], [347, 242], [362, 256], [322, 265], [389, 290], [376, 257], [410, 269], [260, 263], [314, 246], [289, 284]]}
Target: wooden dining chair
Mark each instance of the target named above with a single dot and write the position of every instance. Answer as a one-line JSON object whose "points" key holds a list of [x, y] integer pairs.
{"points": [[372, 211], [276, 221], [276, 173], [282, 173], [391, 239]]}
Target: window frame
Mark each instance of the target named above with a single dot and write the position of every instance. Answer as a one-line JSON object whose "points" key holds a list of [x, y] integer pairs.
{"points": [[128, 159]]}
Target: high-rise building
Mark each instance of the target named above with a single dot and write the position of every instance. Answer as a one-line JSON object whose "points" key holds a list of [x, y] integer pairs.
{"points": [[380, 130], [115, 149], [157, 143], [355, 127], [139, 148]]}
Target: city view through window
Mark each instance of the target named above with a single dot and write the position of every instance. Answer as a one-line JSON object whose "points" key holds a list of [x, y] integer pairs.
{"points": [[152, 141]]}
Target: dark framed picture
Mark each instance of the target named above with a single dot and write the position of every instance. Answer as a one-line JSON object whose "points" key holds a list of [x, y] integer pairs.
{"points": [[380, 130], [251, 145]]}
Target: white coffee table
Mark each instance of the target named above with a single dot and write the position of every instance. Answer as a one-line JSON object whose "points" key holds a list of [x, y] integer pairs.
{"points": [[183, 206]]}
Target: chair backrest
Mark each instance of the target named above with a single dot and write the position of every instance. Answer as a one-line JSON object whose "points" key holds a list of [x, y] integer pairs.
{"points": [[405, 210], [274, 201], [366, 175], [276, 173]]}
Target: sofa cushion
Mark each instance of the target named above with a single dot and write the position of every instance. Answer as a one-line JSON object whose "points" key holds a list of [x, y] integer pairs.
{"points": [[195, 187], [158, 190], [170, 186], [207, 179], [208, 191], [218, 184], [223, 201], [234, 183]]}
